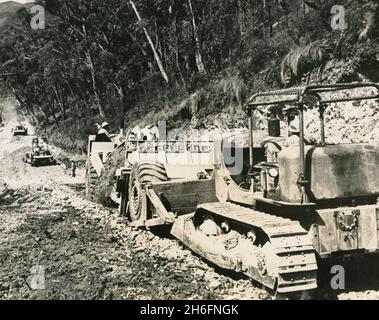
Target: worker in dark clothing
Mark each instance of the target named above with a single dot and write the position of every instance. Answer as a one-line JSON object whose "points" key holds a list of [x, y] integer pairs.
{"points": [[73, 168], [103, 133]]}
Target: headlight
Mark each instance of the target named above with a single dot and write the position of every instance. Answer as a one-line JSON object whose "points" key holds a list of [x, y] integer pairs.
{"points": [[273, 172]]}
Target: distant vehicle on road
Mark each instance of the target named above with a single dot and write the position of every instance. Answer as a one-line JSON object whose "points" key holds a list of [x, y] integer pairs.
{"points": [[20, 130], [41, 154]]}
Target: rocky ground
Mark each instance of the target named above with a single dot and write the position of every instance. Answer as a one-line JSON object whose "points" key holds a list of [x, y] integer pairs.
{"points": [[88, 252]]}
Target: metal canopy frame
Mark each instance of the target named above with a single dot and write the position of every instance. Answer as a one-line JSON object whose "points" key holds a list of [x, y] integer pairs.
{"points": [[296, 97]]}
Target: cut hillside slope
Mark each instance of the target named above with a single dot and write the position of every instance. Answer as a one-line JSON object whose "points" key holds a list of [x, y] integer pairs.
{"points": [[219, 103]]}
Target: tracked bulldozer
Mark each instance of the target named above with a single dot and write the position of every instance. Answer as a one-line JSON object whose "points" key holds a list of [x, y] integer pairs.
{"points": [[20, 130], [40, 154], [280, 215]]}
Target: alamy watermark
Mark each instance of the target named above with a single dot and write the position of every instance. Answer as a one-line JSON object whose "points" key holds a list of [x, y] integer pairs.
{"points": [[36, 280], [38, 21], [338, 22], [339, 18], [198, 146], [338, 281]]}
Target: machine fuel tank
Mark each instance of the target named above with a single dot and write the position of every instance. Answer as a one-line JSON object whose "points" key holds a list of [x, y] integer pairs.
{"points": [[333, 171]]}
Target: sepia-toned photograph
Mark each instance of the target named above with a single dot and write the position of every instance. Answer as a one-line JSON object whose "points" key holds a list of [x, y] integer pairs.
{"points": [[189, 150]]}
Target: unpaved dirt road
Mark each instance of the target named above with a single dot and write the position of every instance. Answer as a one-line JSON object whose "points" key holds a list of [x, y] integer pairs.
{"points": [[13, 171], [89, 253], [86, 251]]}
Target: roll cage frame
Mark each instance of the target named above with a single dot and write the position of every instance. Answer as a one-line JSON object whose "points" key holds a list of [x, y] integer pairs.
{"points": [[296, 97]]}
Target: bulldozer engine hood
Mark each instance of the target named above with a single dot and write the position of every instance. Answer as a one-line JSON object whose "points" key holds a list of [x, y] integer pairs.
{"points": [[332, 172]]}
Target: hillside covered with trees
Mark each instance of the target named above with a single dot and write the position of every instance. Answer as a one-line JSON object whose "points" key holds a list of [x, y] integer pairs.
{"points": [[185, 61]]}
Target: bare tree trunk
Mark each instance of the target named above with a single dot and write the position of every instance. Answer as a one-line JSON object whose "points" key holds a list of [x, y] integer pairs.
{"points": [[371, 19], [269, 18], [58, 100], [45, 114], [157, 58], [23, 103], [70, 88], [91, 67], [263, 6], [241, 26], [178, 65], [52, 112], [175, 24], [151, 65], [31, 112], [123, 104], [94, 87], [199, 59]]}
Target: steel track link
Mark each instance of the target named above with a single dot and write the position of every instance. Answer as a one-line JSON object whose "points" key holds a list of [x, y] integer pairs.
{"points": [[297, 268]]}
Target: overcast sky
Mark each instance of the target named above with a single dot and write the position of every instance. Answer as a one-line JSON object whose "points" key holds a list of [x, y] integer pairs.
{"points": [[20, 1]]}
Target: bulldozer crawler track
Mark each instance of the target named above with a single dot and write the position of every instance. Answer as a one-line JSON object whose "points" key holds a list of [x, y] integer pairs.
{"points": [[297, 267]]}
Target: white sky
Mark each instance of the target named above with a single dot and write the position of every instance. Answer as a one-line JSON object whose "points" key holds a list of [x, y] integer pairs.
{"points": [[20, 1]]}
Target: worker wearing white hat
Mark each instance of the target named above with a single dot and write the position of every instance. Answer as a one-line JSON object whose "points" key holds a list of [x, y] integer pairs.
{"points": [[293, 133], [104, 129]]}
